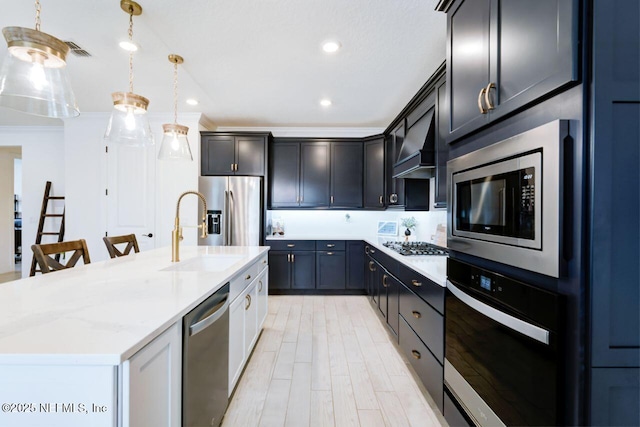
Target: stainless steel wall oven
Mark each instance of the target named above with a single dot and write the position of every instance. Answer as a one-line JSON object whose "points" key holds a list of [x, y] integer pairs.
{"points": [[506, 200], [502, 358]]}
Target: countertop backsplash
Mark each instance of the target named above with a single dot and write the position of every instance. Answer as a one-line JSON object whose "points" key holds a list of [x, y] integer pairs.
{"points": [[353, 223]]}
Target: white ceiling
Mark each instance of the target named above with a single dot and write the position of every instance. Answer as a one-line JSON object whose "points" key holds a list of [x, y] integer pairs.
{"points": [[248, 62]]}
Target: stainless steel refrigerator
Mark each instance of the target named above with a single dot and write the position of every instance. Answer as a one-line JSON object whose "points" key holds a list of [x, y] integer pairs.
{"points": [[234, 210]]}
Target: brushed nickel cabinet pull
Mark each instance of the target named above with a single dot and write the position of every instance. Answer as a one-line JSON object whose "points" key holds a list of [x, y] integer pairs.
{"points": [[291, 245], [372, 266], [372, 251], [231, 167], [293, 258], [331, 245], [331, 199], [416, 354], [393, 198], [260, 286], [248, 298], [248, 277], [487, 93], [329, 253], [480, 106], [416, 314], [384, 281], [288, 257], [414, 282], [366, 249], [381, 200]]}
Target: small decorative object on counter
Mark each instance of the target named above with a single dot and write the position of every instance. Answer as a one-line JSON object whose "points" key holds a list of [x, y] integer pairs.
{"points": [[277, 229], [409, 224]]}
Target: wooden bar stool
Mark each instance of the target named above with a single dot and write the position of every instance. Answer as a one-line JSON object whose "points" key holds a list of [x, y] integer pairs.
{"points": [[129, 239], [42, 254]]}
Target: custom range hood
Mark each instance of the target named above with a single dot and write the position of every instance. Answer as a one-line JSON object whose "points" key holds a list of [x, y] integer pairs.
{"points": [[416, 157]]}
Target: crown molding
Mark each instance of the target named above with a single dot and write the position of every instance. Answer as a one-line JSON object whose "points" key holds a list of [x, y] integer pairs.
{"points": [[307, 132]]}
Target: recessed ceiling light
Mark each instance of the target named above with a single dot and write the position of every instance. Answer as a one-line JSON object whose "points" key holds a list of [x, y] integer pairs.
{"points": [[129, 46], [192, 101], [325, 102], [331, 46]]}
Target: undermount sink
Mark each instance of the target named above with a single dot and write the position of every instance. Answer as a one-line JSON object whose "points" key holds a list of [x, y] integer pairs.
{"points": [[205, 263]]}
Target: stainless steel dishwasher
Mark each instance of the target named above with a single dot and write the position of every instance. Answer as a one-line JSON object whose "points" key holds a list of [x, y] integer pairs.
{"points": [[205, 361]]}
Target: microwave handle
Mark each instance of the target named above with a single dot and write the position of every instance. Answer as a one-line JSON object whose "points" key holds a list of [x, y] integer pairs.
{"points": [[502, 205], [532, 331]]}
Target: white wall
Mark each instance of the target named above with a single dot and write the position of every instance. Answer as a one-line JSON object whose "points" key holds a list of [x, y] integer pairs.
{"points": [[42, 160]]}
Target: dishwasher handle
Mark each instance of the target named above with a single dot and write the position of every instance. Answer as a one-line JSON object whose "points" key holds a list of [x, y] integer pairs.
{"points": [[215, 313]]}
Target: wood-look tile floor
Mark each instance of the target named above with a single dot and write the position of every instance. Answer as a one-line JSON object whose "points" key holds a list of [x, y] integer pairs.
{"points": [[327, 361]]}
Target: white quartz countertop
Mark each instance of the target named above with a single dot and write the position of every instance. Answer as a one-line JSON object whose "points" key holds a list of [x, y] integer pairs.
{"points": [[103, 313], [433, 267]]}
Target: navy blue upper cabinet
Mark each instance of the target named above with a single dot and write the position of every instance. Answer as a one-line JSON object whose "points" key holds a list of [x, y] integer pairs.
{"points": [[346, 174], [284, 175], [315, 159], [374, 172], [503, 55], [233, 154]]}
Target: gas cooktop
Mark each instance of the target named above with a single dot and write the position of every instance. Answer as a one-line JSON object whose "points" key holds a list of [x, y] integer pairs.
{"points": [[416, 248]]}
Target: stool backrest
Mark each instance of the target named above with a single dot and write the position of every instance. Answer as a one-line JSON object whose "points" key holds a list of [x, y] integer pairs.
{"points": [[129, 239], [47, 263]]}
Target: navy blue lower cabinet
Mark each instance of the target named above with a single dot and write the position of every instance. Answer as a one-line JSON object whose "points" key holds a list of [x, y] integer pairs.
{"points": [[391, 287], [429, 370], [279, 270], [331, 269], [427, 323], [292, 270], [355, 265], [615, 397], [303, 269]]}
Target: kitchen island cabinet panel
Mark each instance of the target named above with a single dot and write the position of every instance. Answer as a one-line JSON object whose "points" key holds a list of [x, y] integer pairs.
{"points": [[153, 379]]}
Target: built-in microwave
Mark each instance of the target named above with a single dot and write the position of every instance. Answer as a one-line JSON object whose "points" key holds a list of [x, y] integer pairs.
{"points": [[505, 200]]}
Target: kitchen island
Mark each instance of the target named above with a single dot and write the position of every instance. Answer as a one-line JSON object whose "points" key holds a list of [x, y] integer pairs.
{"points": [[69, 340]]}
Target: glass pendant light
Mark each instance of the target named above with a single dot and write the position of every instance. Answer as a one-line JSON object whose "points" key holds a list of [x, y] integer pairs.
{"points": [[129, 123], [175, 145], [33, 77]]}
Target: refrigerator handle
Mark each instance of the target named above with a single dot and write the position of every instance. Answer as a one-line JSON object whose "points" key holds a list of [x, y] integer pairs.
{"points": [[225, 225], [231, 213]]}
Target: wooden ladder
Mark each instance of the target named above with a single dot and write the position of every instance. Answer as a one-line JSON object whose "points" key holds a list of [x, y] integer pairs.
{"points": [[44, 215]]}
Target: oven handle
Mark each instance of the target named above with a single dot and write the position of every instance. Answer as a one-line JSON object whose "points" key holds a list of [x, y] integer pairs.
{"points": [[532, 331]]}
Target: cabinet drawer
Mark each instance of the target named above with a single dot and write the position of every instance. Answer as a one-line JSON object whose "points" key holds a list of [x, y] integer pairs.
{"points": [[292, 245], [263, 262], [240, 282], [425, 288], [430, 372], [424, 320], [330, 245]]}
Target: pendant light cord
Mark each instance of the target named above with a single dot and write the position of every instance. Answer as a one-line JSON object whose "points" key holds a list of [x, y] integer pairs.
{"points": [[37, 15], [175, 92], [131, 52]]}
